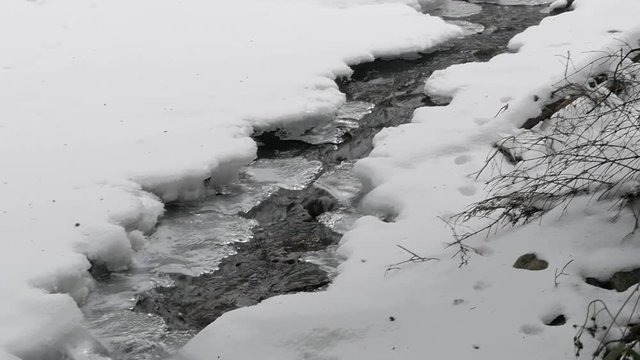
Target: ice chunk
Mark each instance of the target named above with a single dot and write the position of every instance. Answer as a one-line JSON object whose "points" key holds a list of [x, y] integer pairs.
{"points": [[193, 243], [340, 183], [130, 334], [347, 117], [327, 259], [340, 220], [467, 27], [452, 8], [293, 174]]}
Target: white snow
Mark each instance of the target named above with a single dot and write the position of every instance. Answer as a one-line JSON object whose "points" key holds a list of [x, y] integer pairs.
{"points": [[419, 173], [111, 108], [513, 2]]}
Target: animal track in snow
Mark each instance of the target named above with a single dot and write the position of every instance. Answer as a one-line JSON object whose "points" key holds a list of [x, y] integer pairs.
{"points": [[481, 285], [467, 190], [531, 329], [462, 159]]}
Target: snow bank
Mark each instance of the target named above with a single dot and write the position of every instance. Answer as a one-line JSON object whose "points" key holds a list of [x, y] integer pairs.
{"points": [[514, 2], [419, 173], [111, 108]]}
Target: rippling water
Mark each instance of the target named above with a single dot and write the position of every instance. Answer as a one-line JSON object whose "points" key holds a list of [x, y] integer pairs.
{"points": [[192, 239]]}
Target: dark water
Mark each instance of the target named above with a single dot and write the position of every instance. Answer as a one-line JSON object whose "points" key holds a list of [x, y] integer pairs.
{"points": [[273, 230]]}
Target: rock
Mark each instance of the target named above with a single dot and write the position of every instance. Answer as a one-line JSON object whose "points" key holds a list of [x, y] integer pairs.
{"points": [[264, 267], [530, 262], [99, 270], [485, 54], [195, 302], [633, 333], [552, 107], [619, 281], [320, 202]]}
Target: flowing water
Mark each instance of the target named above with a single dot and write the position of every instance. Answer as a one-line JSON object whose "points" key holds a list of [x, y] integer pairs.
{"points": [[275, 228]]}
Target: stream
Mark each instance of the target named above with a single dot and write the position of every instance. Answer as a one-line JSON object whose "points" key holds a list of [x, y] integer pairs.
{"points": [[274, 230]]}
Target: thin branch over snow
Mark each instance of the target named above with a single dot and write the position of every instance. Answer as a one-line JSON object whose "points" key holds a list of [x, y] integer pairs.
{"points": [[414, 258], [590, 146]]}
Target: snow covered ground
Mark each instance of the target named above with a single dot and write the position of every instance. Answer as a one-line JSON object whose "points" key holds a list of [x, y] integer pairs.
{"points": [[420, 173], [110, 108]]}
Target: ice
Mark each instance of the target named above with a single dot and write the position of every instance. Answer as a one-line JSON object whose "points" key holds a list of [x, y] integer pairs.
{"points": [[126, 333], [345, 187], [347, 117], [195, 242], [467, 27], [452, 8], [191, 239], [291, 174], [328, 260], [259, 180], [558, 4], [341, 220], [194, 237], [340, 183]]}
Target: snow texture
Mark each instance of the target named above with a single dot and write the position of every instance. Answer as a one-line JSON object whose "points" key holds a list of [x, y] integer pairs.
{"points": [[111, 108], [513, 2], [419, 173]]}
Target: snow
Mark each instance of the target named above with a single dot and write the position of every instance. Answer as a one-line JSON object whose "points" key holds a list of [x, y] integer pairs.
{"points": [[419, 174], [513, 2], [111, 108]]}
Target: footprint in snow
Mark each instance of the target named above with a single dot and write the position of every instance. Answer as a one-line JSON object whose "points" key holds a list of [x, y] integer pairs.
{"points": [[467, 190], [531, 329], [462, 159], [481, 285]]}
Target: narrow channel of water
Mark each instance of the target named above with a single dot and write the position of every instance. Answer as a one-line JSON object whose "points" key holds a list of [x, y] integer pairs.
{"points": [[273, 230]]}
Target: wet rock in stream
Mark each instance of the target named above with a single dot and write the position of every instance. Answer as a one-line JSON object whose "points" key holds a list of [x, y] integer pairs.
{"points": [[266, 266]]}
